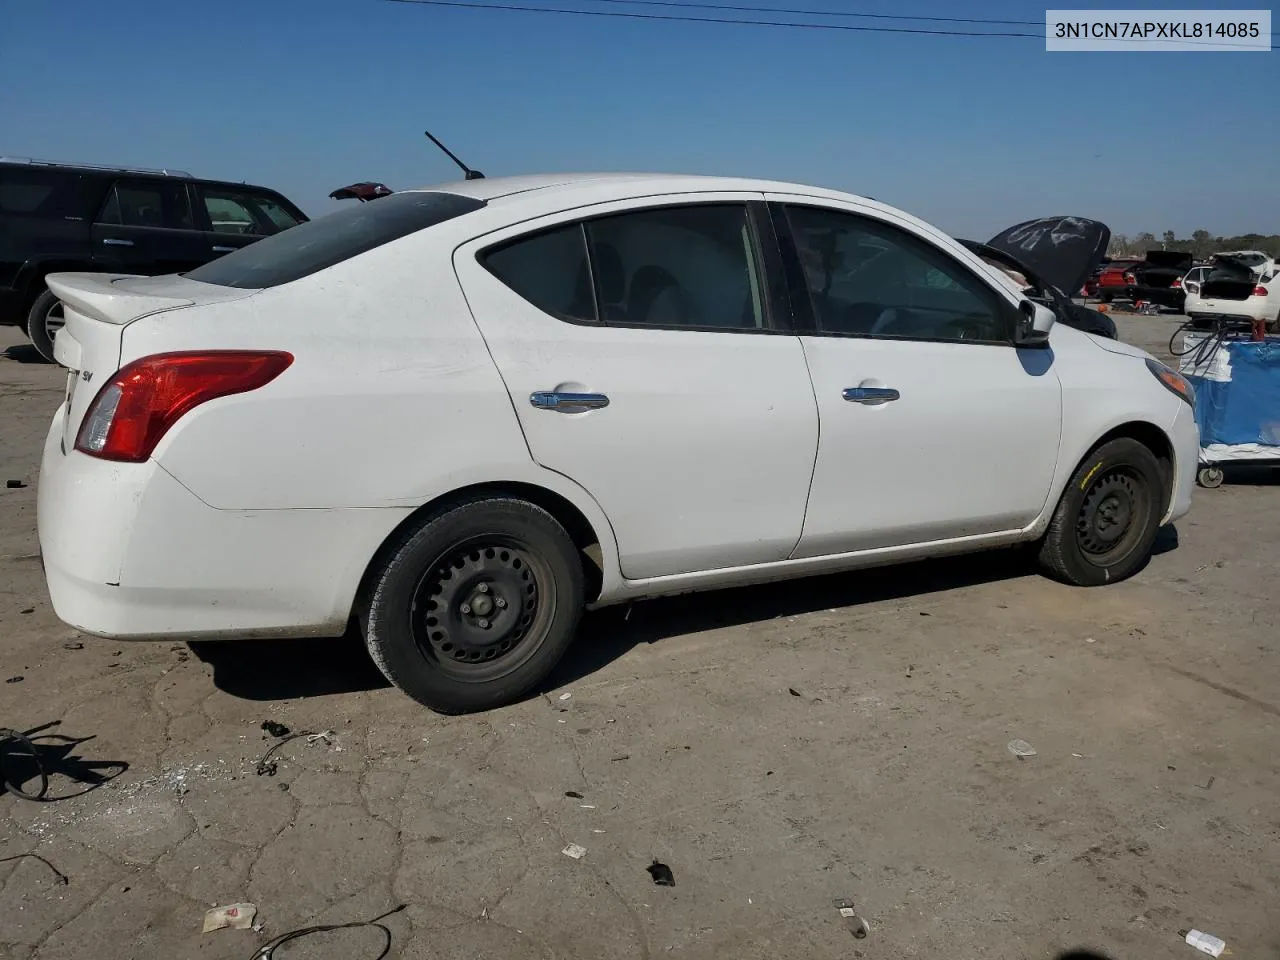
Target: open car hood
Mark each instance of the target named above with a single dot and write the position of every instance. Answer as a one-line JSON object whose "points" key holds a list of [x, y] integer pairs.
{"points": [[1062, 251], [363, 191]]}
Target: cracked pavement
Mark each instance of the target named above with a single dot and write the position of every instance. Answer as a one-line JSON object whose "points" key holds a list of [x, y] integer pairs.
{"points": [[778, 747]]}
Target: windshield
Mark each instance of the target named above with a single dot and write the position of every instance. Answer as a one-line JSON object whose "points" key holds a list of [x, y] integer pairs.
{"points": [[317, 244]]}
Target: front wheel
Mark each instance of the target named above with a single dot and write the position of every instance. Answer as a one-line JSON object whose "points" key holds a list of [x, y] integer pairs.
{"points": [[44, 320], [1106, 522], [473, 608]]}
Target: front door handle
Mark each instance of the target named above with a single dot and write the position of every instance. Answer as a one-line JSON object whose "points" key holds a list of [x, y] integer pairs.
{"points": [[568, 402], [114, 242], [223, 249], [870, 395]]}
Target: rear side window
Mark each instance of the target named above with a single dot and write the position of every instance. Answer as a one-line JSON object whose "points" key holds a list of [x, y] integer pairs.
{"points": [[42, 193], [550, 271], [318, 244], [147, 203]]}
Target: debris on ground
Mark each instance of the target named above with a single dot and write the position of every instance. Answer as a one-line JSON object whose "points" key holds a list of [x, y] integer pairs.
{"points": [[327, 736], [1021, 749], [62, 877], [18, 679], [621, 756], [1204, 942], [661, 874], [275, 729], [574, 851], [849, 914], [268, 949], [793, 691], [573, 794], [236, 916], [27, 610], [15, 484], [73, 645], [565, 696]]}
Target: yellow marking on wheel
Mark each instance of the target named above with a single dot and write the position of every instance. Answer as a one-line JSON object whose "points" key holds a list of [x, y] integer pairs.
{"points": [[1089, 476]]}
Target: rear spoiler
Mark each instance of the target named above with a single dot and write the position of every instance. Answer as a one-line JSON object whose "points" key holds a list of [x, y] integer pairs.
{"points": [[95, 295]]}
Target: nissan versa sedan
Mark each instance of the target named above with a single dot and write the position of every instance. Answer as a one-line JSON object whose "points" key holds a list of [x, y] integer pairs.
{"points": [[460, 415]]}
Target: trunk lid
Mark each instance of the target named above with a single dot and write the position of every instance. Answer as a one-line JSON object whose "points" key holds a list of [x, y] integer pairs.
{"points": [[1228, 279], [96, 308], [1062, 251]]}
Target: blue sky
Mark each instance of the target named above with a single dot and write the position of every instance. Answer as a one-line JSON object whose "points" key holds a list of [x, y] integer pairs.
{"points": [[971, 134]]}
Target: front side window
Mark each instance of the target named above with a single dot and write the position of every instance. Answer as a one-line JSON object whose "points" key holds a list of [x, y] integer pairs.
{"points": [[687, 267], [147, 203], [244, 212], [868, 278]]}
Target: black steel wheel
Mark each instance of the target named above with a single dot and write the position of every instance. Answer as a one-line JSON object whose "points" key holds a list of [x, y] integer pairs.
{"points": [[478, 612], [1107, 519], [474, 606]]}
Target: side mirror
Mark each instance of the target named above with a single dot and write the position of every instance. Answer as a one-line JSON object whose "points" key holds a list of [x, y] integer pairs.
{"points": [[1035, 320]]}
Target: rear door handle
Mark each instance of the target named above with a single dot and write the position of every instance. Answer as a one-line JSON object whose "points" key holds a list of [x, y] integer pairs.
{"points": [[568, 402], [870, 395], [114, 242]]}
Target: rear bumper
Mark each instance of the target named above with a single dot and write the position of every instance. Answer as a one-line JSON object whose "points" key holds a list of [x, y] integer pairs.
{"points": [[130, 553], [1185, 436], [1240, 312]]}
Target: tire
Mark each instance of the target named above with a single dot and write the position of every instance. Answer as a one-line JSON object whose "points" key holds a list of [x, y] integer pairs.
{"points": [[475, 606], [1104, 298], [44, 320], [1120, 484], [1210, 477]]}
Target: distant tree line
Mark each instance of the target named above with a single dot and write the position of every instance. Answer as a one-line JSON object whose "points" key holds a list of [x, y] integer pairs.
{"points": [[1200, 244]]}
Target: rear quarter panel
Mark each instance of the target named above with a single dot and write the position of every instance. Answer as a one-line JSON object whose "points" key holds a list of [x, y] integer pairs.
{"points": [[391, 398]]}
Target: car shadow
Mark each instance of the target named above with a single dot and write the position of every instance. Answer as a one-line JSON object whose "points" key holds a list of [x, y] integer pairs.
{"points": [[24, 353], [261, 670], [1246, 474]]}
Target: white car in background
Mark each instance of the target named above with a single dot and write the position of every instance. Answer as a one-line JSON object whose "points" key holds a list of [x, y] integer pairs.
{"points": [[459, 415], [1240, 287]]}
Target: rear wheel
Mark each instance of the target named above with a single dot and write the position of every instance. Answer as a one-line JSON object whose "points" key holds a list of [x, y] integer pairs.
{"points": [[1107, 520], [476, 606], [44, 320]]}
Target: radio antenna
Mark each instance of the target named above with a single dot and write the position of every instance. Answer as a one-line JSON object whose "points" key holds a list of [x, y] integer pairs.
{"points": [[470, 174]]}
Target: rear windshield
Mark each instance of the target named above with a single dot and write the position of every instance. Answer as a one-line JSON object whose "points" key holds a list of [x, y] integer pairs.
{"points": [[312, 246]]}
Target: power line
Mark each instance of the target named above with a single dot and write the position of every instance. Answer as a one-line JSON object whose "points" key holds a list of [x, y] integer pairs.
{"points": [[687, 5], [843, 27], [674, 18]]}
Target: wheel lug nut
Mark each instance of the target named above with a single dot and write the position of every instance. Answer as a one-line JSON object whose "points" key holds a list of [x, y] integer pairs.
{"points": [[483, 588], [502, 604], [484, 624], [466, 608]]}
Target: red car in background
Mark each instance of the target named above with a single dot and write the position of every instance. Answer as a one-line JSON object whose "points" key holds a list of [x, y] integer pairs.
{"points": [[1115, 279]]}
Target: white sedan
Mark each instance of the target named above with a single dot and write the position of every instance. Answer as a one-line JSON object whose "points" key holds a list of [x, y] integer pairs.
{"points": [[458, 416]]}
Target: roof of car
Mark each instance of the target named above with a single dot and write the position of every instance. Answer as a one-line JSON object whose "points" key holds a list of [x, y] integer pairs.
{"points": [[496, 187]]}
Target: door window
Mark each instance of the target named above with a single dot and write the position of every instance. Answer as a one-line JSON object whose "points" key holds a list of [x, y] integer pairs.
{"points": [[868, 278], [232, 213], [688, 267], [550, 270], [145, 203]]}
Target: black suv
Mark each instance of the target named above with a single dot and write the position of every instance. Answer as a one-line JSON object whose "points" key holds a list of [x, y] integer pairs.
{"points": [[64, 216]]}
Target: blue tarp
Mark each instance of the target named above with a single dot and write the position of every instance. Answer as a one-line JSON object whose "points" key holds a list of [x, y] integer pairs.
{"points": [[1245, 408]]}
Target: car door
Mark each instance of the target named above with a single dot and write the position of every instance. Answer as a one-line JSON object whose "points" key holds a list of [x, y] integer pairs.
{"points": [[145, 226], [933, 426], [234, 218], [654, 371]]}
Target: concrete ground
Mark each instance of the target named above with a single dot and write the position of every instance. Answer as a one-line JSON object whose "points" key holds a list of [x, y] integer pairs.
{"points": [[778, 748]]}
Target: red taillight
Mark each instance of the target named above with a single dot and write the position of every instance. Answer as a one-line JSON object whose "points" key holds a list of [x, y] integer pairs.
{"points": [[1259, 291], [1130, 278], [135, 408], [1177, 283]]}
